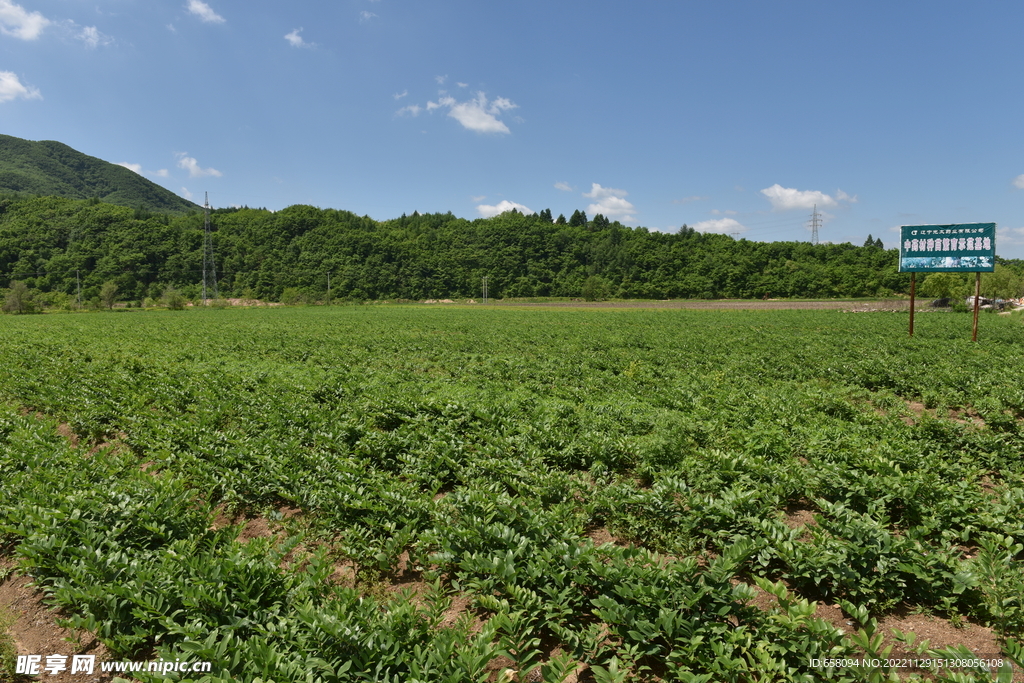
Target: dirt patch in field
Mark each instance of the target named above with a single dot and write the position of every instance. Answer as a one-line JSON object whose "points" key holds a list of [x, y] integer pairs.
{"points": [[117, 445], [602, 536], [256, 527], [460, 605], [918, 411], [65, 430], [762, 600], [941, 633], [798, 517], [965, 416], [253, 526], [833, 614], [344, 574], [415, 590], [118, 441], [35, 632], [403, 575], [503, 670]]}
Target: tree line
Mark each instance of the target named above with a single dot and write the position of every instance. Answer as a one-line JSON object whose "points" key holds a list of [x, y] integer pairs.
{"points": [[70, 248]]}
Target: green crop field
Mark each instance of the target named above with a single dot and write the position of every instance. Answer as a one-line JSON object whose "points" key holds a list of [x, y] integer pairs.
{"points": [[473, 494]]}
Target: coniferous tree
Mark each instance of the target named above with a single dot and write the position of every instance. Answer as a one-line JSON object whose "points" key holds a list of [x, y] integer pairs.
{"points": [[560, 220], [545, 215], [578, 219], [870, 241]]}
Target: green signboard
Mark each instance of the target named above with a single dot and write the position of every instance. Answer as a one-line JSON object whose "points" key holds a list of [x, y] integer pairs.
{"points": [[960, 248]]}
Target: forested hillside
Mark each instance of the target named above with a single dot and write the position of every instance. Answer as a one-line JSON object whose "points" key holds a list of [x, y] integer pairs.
{"points": [[53, 168], [259, 253]]}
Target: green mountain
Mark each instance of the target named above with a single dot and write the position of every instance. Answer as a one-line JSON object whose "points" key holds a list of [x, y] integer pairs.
{"points": [[53, 168]]}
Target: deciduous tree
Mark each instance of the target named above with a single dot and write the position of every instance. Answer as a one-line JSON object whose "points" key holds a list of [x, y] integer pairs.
{"points": [[108, 294]]}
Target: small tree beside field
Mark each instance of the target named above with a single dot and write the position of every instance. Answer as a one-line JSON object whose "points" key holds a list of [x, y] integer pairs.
{"points": [[108, 294], [173, 299], [19, 298]]}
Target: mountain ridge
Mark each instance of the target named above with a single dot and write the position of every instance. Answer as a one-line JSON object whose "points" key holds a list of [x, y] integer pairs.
{"points": [[52, 168]]}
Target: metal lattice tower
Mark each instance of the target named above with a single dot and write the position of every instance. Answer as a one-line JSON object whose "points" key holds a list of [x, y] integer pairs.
{"points": [[815, 224], [209, 268]]}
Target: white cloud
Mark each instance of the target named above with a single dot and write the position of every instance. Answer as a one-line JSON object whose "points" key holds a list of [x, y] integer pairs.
{"points": [[204, 12], [785, 198], [564, 187], [15, 21], [162, 173], [11, 88], [192, 166], [400, 95], [185, 193], [1010, 236], [687, 200], [502, 206], [477, 114], [720, 225], [727, 212], [92, 37], [441, 79], [296, 40], [366, 16], [598, 192], [1019, 181], [445, 101], [462, 85], [610, 202], [170, 27], [478, 199]]}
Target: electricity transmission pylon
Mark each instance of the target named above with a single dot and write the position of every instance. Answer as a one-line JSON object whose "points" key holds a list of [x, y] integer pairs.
{"points": [[815, 224], [209, 269]]}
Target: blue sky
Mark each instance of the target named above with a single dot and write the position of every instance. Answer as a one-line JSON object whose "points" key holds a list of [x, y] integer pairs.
{"points": [[730, 117]]}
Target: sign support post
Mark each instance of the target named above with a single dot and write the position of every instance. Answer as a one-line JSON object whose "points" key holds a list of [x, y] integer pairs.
{"points": [[977, 304], [913, 286]]}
